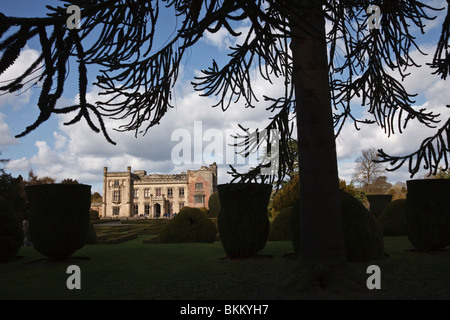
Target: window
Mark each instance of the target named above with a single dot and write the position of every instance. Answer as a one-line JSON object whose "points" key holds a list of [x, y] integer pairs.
{"points": [[135, 209], [169, 192], [181, 192], [158, 192], [147, 209], [136, 193], [116, 196], [116, 211], [199, 186], [116, 183], [170, 208], [180, 205], [146, 193], [199, 198]]}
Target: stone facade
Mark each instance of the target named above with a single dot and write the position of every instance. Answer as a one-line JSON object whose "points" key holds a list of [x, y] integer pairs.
{"points": [[130, 194]]}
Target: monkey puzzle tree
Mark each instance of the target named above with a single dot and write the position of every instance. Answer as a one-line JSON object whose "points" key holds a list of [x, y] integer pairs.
{"points": [[323, 72]]}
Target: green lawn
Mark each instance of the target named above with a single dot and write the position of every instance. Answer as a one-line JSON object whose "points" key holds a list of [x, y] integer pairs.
{"points": [[132, 270]]}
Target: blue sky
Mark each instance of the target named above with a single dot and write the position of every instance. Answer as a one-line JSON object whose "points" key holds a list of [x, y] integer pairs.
{"points": [[77, 152]]}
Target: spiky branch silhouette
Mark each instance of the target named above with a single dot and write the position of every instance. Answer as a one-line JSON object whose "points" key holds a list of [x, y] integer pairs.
{"points": [[138, 78]]}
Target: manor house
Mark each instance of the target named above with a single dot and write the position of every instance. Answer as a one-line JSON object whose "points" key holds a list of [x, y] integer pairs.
{"points": [[128, 194]]}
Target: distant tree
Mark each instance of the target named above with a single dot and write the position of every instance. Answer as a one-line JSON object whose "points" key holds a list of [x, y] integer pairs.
{"points": [[12, 190], [352, 190], [441, 174], [34, 179], [292, 166], [380, 185], [398, 190], [69, 181], [286, 196], [96, 197], [2, 170], [367, 170]]}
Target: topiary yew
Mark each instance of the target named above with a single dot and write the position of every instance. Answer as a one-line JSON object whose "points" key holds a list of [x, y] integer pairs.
{"points": [[428, 213], [214, 205], [189, 225], [362, 234], [59, 222], [243, 221], [393, 219], [11, 234]]}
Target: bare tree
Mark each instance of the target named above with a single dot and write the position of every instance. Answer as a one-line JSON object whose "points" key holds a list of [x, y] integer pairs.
{"points": [[368, 170], [287, 39], [2, 170]]}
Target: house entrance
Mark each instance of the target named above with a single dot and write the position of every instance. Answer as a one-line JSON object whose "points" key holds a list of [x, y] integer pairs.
{"points": [[156, 210]]}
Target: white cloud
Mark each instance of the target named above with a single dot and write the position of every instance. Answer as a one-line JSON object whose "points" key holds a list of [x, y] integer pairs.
{"points": [[79, 153], [222, 39], [23, 62], [22, 165], [350, 144], [6, 137], [60, 140]]}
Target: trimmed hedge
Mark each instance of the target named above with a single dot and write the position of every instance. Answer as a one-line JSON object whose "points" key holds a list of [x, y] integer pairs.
{"points": [[362, 234], [59, 222], [243, 221], [428, 213], [393, 219], [214, 205], [11, 234], [189, 225]]}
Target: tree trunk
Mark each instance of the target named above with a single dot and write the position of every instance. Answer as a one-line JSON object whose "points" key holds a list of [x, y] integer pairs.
{"points": [[322, 240]]}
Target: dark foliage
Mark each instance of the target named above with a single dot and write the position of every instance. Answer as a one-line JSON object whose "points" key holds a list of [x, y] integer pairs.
{"points": [[11, 234], [59, 223], [428, 213], [189, 225], [243, 221], [378, 202], [93, 214], [362, 234], [279, 228], [12, 189], [214, 205], [393, 219]]}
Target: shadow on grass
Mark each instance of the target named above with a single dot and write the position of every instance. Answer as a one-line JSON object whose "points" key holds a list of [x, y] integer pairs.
{"points": [[132, 270]]}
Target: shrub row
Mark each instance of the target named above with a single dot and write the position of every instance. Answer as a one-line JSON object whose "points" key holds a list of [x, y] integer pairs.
{"points": [[362, 235]]}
